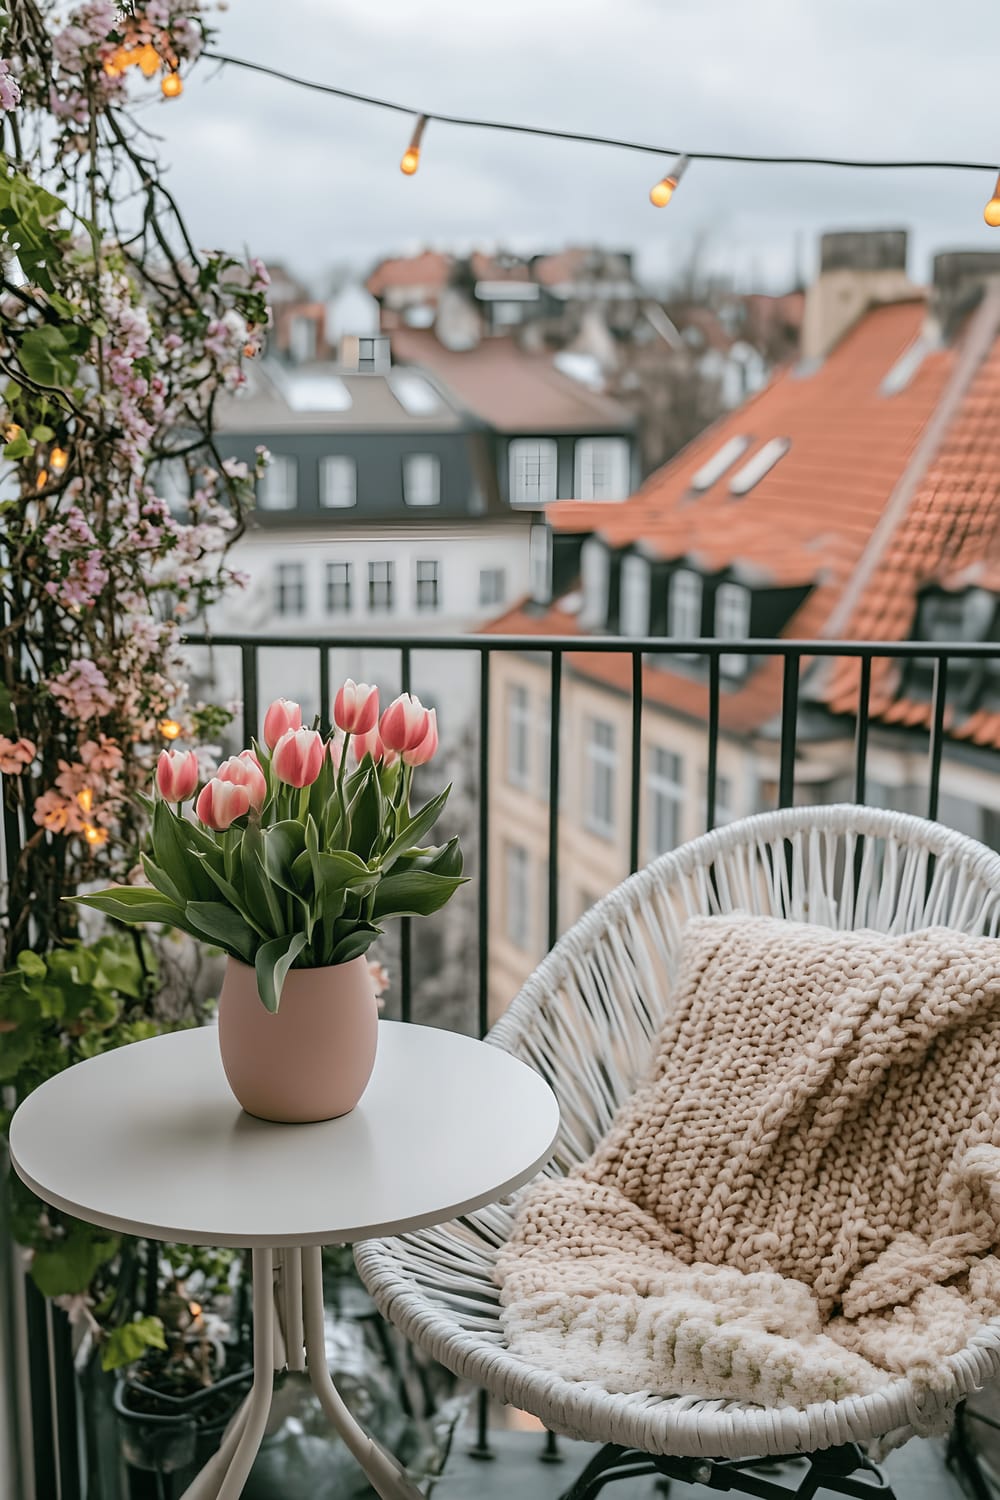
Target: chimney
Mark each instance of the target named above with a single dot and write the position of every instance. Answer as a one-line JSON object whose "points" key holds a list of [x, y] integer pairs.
{"points": [[961, 278], [858, 269]]}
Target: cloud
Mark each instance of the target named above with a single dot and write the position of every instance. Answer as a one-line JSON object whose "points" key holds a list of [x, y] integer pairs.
{"points": [[312, 180]]}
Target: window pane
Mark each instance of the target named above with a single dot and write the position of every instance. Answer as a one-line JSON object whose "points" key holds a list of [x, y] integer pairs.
{"points": [[665, 790], [602, 762], [338, 481], [517, 903], [421, 479], [276, 488], [533, 471], [492, 585], [602, 469], [634, 607], [338, 588], [518, 735], [379, 586], [290, 588], [427, 585], [732, 623]]}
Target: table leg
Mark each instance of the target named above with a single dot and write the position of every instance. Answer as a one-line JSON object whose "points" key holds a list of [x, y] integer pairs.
{"points": [[288, 1326]]}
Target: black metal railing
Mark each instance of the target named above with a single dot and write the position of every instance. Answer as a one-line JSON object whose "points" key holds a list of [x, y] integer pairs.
{"points": [[856, 728]]}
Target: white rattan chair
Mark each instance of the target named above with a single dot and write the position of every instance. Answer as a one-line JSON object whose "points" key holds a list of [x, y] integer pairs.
{"points": [[585, 1020]]}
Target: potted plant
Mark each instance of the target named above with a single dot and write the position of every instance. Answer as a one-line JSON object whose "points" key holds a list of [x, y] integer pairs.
{"points": [[296, 853]]}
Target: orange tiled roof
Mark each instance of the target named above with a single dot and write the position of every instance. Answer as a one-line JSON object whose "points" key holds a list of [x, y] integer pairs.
{"points": [[429, 269]]}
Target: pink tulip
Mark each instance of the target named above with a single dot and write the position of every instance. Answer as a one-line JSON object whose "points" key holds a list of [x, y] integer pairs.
{"points": [[245, 770], [422, 753], [371, 744], [298, 757], [280, 717], [404, 723], [177, 774], [355, 708], [220, 803]]}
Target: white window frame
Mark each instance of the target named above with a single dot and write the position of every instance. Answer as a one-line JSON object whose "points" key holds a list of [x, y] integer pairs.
{"points": [[422, 479], [732, 623], [595, 581], [684, 607], [494, 591], [665, 794], [338, 482], [519, 727], [540, 563], [533, 467], [278, 486], [723, 459], [602, 469], [433, 579], [517, 896], [600, 805], [346, 583], [388, 583], [757, 465], [289, 583], [634, 596]]}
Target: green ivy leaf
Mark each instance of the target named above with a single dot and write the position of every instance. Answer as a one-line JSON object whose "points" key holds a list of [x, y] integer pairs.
{"points": [[130, 1341], [68, 1265]]}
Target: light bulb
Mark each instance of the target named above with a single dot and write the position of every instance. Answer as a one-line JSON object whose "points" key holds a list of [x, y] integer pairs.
{"points": [[111, 66], [411, 156], [991, 213], [172, 85], [661, 192], [169, 728], [95, 836], [86, 799], [43, 479], [58, 459], [149, 60]]}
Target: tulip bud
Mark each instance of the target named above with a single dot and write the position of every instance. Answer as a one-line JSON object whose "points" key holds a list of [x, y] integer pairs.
{"points": [[355, 708], [245, 770], [280, 717], [177, 774], [220, 803], [404, 723], [422, 753], [298, 757]]}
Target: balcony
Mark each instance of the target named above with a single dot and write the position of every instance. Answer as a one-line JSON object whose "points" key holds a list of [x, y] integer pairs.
{"points": [[585, 807]]}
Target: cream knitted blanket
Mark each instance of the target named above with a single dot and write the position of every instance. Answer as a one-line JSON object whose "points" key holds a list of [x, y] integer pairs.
{"points": [[802, 1199]]}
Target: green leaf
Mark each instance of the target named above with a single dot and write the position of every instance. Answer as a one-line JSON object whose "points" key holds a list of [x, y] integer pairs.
{"points": [[224, 926], [283, 843], [19, 447], [42, 434], [261, 895], [365, 816], [161, 880], [174, 845], [355, 943], [413, 893], [234, 898], [273, 961], [68, 1265], [46, 356], [127, 1343], [412, 832], [133, 903], [31, 964]]}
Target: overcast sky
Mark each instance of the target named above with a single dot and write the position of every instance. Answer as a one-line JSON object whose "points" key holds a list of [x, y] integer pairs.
{"points": [[314, 181]]}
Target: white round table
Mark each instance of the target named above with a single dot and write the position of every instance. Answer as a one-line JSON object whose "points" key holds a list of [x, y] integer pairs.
{"points": [[148, 1140]]}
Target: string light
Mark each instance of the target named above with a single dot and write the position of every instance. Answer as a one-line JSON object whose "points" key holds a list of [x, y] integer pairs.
{"points": [[661, 192], [42, 480], [991, 213], [58, 459], [149, 60], [411, 156], [172, 85], [86, 799], [169, 728], [95, 836]]}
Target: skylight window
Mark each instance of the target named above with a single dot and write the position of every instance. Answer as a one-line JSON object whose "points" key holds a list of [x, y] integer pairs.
{"points": [[414, 394], [755, 468], [316, 392], [717, 465]]}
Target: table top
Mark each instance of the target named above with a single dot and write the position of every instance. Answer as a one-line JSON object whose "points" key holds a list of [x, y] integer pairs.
{"points": [[149, 1140]]}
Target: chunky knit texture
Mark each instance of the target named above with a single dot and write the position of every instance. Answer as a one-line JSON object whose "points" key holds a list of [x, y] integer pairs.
{"points": [[802, 1199]]}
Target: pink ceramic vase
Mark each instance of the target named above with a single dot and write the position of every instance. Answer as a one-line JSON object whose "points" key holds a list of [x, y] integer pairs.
{"points": [[312, 1058]]}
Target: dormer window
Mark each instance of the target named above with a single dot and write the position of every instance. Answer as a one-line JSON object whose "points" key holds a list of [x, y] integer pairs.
{"points": [[732, 623], [595, 576], [684, 607], [540, 563], [706, 476], [762, 462], [633, 610]]}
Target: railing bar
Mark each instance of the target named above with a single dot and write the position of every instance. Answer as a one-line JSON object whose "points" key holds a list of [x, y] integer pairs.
{"points": [[712, 768], [789, 721], [555, 707], [861, 737], [484, 846], [249, 658], [324, 689], [636, 771], [937, 735], [405, 927]]}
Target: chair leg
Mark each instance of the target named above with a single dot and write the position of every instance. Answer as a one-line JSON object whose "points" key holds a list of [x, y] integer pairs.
{"points": [[610, 1463]]}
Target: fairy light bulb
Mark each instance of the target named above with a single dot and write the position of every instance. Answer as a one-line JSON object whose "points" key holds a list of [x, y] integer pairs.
{"points": [[169, 728], [149, 60], [58, 459], [411, 156], [112, 66], [95, 836], [991, 213], [172, 85], [86, 799], [42, 480], [661, 192]]}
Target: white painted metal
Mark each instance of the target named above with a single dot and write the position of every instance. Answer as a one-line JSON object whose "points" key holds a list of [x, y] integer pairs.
{"points": [[149, 1140], [586, 1019]]}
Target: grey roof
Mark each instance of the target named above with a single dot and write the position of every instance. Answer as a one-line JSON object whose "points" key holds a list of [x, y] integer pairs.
{"points": [[323, 397]]}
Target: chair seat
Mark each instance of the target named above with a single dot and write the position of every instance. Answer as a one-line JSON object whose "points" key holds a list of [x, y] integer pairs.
{"points": [[585, 1021]]}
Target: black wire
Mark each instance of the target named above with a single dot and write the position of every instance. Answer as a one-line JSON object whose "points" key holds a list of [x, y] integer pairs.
{"points": [[603, 140]]}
